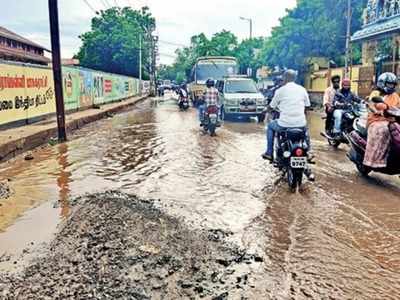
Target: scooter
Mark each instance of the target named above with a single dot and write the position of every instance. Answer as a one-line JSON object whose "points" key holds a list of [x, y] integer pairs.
{"points": [[210, 121], [358, 142], [352, 112]]}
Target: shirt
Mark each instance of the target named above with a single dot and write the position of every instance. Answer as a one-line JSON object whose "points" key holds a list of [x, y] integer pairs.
{"points": [[211, 96], [392, 100], [329, 95], [345, 97], [291, 100]]}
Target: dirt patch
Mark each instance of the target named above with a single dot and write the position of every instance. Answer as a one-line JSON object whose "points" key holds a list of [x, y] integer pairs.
{"points": [[116, 246]]}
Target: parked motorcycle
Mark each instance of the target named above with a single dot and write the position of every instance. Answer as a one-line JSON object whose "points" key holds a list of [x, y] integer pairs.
{"points": [[210, 121], [291, 156], [352, 112], [358, 143]]}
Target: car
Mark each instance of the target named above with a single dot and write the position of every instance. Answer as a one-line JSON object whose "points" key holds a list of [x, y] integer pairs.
{"points": [[240, 98]]}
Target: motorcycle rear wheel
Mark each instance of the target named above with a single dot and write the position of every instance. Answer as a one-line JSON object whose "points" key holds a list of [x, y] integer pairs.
{"points": [[292, 182], [211, 128]]}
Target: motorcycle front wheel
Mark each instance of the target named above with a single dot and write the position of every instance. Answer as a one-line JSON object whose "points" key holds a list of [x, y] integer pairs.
{"points": [[364, 170]]}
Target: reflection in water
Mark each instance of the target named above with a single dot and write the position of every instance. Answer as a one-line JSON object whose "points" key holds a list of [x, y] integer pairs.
{"points": [[63, 180]]}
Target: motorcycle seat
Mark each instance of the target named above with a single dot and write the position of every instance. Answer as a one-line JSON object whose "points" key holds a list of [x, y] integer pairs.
{"points": [[295, 134]]}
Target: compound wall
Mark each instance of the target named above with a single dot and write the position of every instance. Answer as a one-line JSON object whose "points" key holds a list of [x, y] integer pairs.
{"points": [[27, 91]]}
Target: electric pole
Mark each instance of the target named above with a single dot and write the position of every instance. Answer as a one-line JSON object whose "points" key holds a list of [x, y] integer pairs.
{"points": [[57, 72], [348, 37], [140, 64]]}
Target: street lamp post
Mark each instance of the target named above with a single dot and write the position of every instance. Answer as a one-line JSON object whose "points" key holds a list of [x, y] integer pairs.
{"points": [[348, 38], [140, 63], [250, 23]]}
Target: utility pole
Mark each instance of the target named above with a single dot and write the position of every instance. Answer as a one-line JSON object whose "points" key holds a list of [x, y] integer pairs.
{"points": [[153, 62], [251, 25], [140, 64], [348, 37], [56, 54]]}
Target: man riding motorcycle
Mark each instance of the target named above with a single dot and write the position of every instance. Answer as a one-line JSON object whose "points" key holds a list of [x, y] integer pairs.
{"points": [[329, 96], [210, 97], [183, 95], [278, 82], [342, 102], [291, 100]]}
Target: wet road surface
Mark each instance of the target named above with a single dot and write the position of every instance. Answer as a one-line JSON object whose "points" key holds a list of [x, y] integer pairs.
{"points": [[337, 239]]}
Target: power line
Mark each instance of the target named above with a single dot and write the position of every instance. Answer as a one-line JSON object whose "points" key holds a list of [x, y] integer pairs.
{"points": [[89, 5], [167, 55], [108, 4], [104, 3], [173, 44]]}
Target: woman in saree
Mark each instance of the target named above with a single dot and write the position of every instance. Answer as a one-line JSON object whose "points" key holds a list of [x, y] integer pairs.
{"points": [[379, 138]]}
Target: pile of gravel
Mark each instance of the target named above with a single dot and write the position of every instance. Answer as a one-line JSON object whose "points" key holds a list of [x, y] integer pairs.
{"points": [[116, 246]]}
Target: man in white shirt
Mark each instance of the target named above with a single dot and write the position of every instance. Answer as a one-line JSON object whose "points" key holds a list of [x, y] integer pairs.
{"points": [[291, 101]]}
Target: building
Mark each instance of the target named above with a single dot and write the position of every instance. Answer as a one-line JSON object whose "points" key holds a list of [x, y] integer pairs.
{"points": [[381, 21], [14, 47]]}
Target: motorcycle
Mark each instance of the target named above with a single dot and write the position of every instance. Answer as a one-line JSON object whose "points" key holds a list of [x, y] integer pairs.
{"points": [[210, 121], [183, 103], [352, 112], [358, 142], [291, 156]]}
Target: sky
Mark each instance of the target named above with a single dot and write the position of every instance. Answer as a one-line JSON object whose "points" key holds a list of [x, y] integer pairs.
{"points": [[177, 20]]}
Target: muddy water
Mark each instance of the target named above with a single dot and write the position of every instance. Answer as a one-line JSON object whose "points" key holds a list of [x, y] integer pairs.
{"points": [[339, 238]]}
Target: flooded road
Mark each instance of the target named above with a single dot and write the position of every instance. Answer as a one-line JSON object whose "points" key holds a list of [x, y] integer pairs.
{"points": [[337, 239]]}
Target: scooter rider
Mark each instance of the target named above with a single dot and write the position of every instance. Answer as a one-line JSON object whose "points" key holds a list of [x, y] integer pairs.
{"points": [[344, 98], [210, 97]]}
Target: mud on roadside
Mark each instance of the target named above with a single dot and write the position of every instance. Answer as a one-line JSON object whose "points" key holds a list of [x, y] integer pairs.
{"points": [[116, 246]]}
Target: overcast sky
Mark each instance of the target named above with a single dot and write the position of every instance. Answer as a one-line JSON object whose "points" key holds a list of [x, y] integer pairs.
{"points": [[177, 20]]}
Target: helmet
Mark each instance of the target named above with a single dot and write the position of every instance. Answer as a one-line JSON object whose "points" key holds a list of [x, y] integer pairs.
{"points": [[210, 83], [346, 83], [278, 80], [387, 83]]}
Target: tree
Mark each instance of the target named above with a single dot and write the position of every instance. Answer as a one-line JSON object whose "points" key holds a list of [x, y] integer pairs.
{"points": [[312, 28], [223, 43], [113, 43], [247, 54]]}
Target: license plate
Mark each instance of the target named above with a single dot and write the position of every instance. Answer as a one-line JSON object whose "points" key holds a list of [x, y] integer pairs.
{"points": [[213, 118], [298, 162], [248, 108]]}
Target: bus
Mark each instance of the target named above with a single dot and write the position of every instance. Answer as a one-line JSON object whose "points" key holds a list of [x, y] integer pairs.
{"points": [[214, 67]]}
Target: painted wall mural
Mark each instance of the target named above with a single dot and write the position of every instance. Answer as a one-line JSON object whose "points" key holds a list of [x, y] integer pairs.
{"points": [[27, 92]]}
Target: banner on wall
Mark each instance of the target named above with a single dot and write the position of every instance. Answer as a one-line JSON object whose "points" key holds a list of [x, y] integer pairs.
{"points": [[25, 93]]}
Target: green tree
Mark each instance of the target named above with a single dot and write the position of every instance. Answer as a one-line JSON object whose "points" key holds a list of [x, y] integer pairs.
{"points": [[113, 43], [312, 28]]}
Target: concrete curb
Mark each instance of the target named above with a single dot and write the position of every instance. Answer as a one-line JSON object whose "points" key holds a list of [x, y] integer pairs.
{"points": [[42, 136]]}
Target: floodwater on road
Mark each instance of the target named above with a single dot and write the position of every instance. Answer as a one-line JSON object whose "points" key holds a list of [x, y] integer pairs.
{"points": [[339, 238]]}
